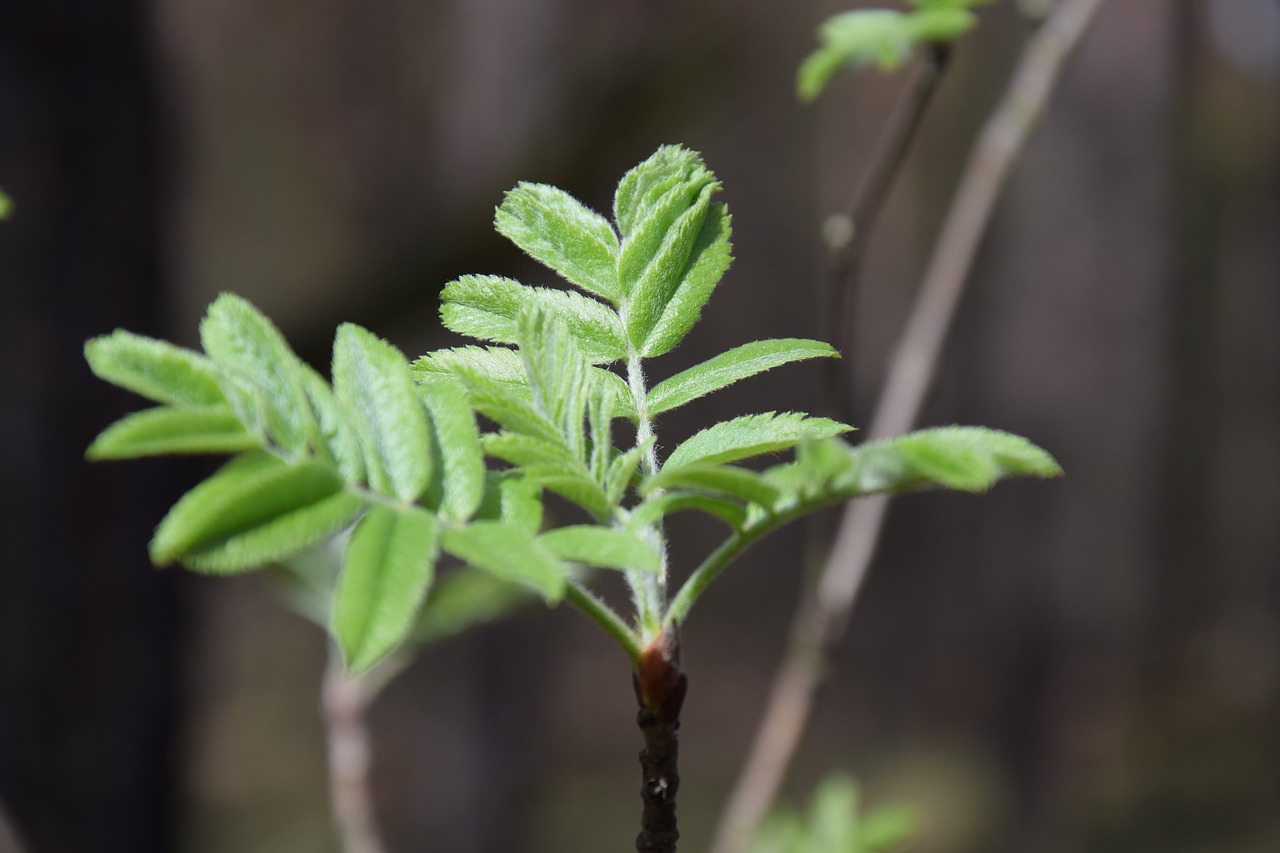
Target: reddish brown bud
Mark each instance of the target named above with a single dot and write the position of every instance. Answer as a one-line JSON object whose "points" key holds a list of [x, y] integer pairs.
{"points": [[659, 682]]}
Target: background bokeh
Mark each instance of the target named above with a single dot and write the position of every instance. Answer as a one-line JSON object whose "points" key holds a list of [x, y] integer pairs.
{"points": [[1091, 664]]}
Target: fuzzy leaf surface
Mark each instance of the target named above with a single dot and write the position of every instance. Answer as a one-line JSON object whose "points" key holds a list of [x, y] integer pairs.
{"points": [[387, 569], [254, 510], [711, 255], [558, 375], [658, 506], [732, 366], [643, 187], [372, 383], [605, 547], [722, 479], [752, 435], [457, 484], [561, 232], [510, 553], [167, 429], [970, 459], [240, 338], [155, 369], [338, 442], [486, 307]]}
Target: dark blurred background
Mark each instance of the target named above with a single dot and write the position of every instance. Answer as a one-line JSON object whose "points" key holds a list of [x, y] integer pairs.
{"points": [[1091, 664]]}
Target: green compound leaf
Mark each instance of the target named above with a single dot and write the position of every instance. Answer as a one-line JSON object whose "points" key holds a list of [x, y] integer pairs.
{"points": [[372, 384], [711, 255], [338, 442], [558, 230], [655, 256], [386, 571], [458, 482], [730, 367], [752, 435], [254, 510], [154, 432], [835, 822], [513, 500], [511, 553], [722, 479], [604, 547], [558, 375], [526, 450], [970, 459], [155, 369], [572, 485], [881, 37], [656, 507], [465, 599], [241, 339], [486, 307], [642, 188], [505, 365], [622, 470]]}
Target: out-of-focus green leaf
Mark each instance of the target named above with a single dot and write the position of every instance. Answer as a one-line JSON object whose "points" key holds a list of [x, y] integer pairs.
{"points": [[511, 499], [458, 482], [833, 824], [465, 599], [525, 450], [372, 384], [572, 485], [731, 366], [970, 459], [604, 547], [6, 206], [155, 369], [622, 469], [386, 572], [510, 553], [241, 339], [558, 230], [254, 510], [486, 307], [668, 503], [722, 479], [752, 435], [154, 432]]}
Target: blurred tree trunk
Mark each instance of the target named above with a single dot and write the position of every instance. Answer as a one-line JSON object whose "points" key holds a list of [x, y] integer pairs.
{"points": [[87, 633]]}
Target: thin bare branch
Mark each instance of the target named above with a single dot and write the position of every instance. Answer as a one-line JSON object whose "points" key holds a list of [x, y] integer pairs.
{"points": [[822, 617], [343, 703], [847, 233]]}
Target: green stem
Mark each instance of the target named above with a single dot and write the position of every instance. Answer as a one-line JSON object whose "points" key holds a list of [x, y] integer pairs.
{"points": [[649, 590], [604, 616], [721, 557]]}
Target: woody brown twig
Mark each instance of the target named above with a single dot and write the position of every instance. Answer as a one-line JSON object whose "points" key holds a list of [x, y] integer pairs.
{"points": [[660, 690], [821, 620]]}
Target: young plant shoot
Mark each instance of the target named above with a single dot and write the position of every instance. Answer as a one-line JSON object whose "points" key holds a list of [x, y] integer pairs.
{"points": [[392, 453]]}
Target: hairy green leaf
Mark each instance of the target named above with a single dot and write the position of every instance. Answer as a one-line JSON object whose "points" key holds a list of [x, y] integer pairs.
{"points": [[240, 338], [572, 485], [731, 366], [558, 230], [464, 599], [752, 435], [486, 307], [254, 510], [372, 383], [970, 459], [525, 450], [604, 547], [153, 432], [558, 375], [712, 253], [338, 442], [458, 482], [155, 369], [509, 552], [643, 187], [668, 503], [724, 479], [654, 259], [386, 571], [504, 365], [622, 470], [511, 499]]}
